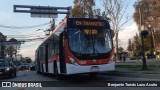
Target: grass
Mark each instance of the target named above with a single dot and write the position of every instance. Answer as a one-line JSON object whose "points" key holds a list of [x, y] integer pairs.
{"points": [[152, 69]]}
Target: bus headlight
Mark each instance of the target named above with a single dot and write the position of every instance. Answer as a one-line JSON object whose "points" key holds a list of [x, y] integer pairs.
{"points": [[7, 69], [73, 61]]}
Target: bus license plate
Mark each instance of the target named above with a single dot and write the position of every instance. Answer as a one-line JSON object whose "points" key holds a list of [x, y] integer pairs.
{"points": [[94, 68]]}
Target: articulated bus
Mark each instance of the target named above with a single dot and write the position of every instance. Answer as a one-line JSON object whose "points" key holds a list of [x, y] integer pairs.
{"points": [[75, 46]]}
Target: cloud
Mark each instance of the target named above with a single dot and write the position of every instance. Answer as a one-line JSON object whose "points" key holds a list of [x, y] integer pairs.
{"points": [[28, 53], [127, 33], [29, 48], [4, 16]]}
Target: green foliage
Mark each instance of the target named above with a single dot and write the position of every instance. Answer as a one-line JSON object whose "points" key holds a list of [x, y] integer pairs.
{"points": [[120, 49], [129, 48], [11, 50], [28, 59], [134, 45]]}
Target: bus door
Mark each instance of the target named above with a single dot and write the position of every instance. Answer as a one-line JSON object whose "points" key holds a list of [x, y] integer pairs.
{"points": [[62, 53], [46, 58], [38, 61]]}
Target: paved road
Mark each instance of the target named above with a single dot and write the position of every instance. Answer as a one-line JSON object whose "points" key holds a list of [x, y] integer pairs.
{"points": [[83, 82], [33, 76]]}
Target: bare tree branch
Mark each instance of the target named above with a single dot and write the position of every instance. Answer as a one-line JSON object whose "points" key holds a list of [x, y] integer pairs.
{"points": [[116, 11]]}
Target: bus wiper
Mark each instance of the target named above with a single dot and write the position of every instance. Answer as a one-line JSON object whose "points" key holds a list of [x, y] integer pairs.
{"points": [[94, 54], [79, 54]]}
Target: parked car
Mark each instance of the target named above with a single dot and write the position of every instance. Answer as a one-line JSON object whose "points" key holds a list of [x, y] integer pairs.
{"points": [[21, 67], [7, 68], [27, 66], [32, 67], [24, 66]]}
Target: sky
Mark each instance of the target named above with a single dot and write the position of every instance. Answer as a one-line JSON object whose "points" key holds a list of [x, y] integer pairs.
{"points": [[10, 18]]}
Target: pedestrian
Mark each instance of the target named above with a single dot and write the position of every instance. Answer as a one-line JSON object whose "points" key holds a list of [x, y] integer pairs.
{"points": [[148, 55], [120, 57], [124, 58]]}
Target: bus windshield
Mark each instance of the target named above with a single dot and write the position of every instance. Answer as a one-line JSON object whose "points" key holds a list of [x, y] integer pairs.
{"points": [[90, 40]]}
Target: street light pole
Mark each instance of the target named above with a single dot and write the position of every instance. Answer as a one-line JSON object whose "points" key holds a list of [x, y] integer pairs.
{"points": [[144, 67], [144, 33]]}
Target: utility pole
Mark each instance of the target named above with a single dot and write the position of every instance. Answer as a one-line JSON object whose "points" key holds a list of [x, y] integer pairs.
{"points": [[144, 33]]}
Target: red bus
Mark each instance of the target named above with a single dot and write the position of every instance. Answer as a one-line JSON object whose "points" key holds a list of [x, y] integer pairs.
{"points": [[77, 45]]}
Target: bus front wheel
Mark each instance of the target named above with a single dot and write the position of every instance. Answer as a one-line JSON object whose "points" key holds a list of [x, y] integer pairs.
{"points": [[56, 74]]}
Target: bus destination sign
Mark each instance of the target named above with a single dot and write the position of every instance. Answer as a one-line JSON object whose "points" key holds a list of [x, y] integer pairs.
{"points": [[88, 23]]}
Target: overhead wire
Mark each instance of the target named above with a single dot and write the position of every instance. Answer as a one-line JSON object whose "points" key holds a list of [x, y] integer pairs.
{"points": [[31, 37], [23, 27]]}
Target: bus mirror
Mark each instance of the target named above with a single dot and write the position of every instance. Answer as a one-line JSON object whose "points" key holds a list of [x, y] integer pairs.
{"points": [[65, 34], [112, 33]]}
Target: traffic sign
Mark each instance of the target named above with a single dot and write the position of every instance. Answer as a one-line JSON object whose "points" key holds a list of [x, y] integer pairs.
{"points": [[44, 15], [43, 11]]}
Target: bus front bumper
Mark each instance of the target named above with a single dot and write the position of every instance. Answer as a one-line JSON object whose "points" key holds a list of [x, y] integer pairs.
{"points": [[77, 69]]}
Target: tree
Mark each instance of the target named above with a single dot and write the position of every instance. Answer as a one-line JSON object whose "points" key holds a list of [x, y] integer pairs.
{"points": [[149, 10], [137, 45], [83, 8], [27, 59], [11, 51], [116, 11], [129, 48], [120, 49], [147, 14]]}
